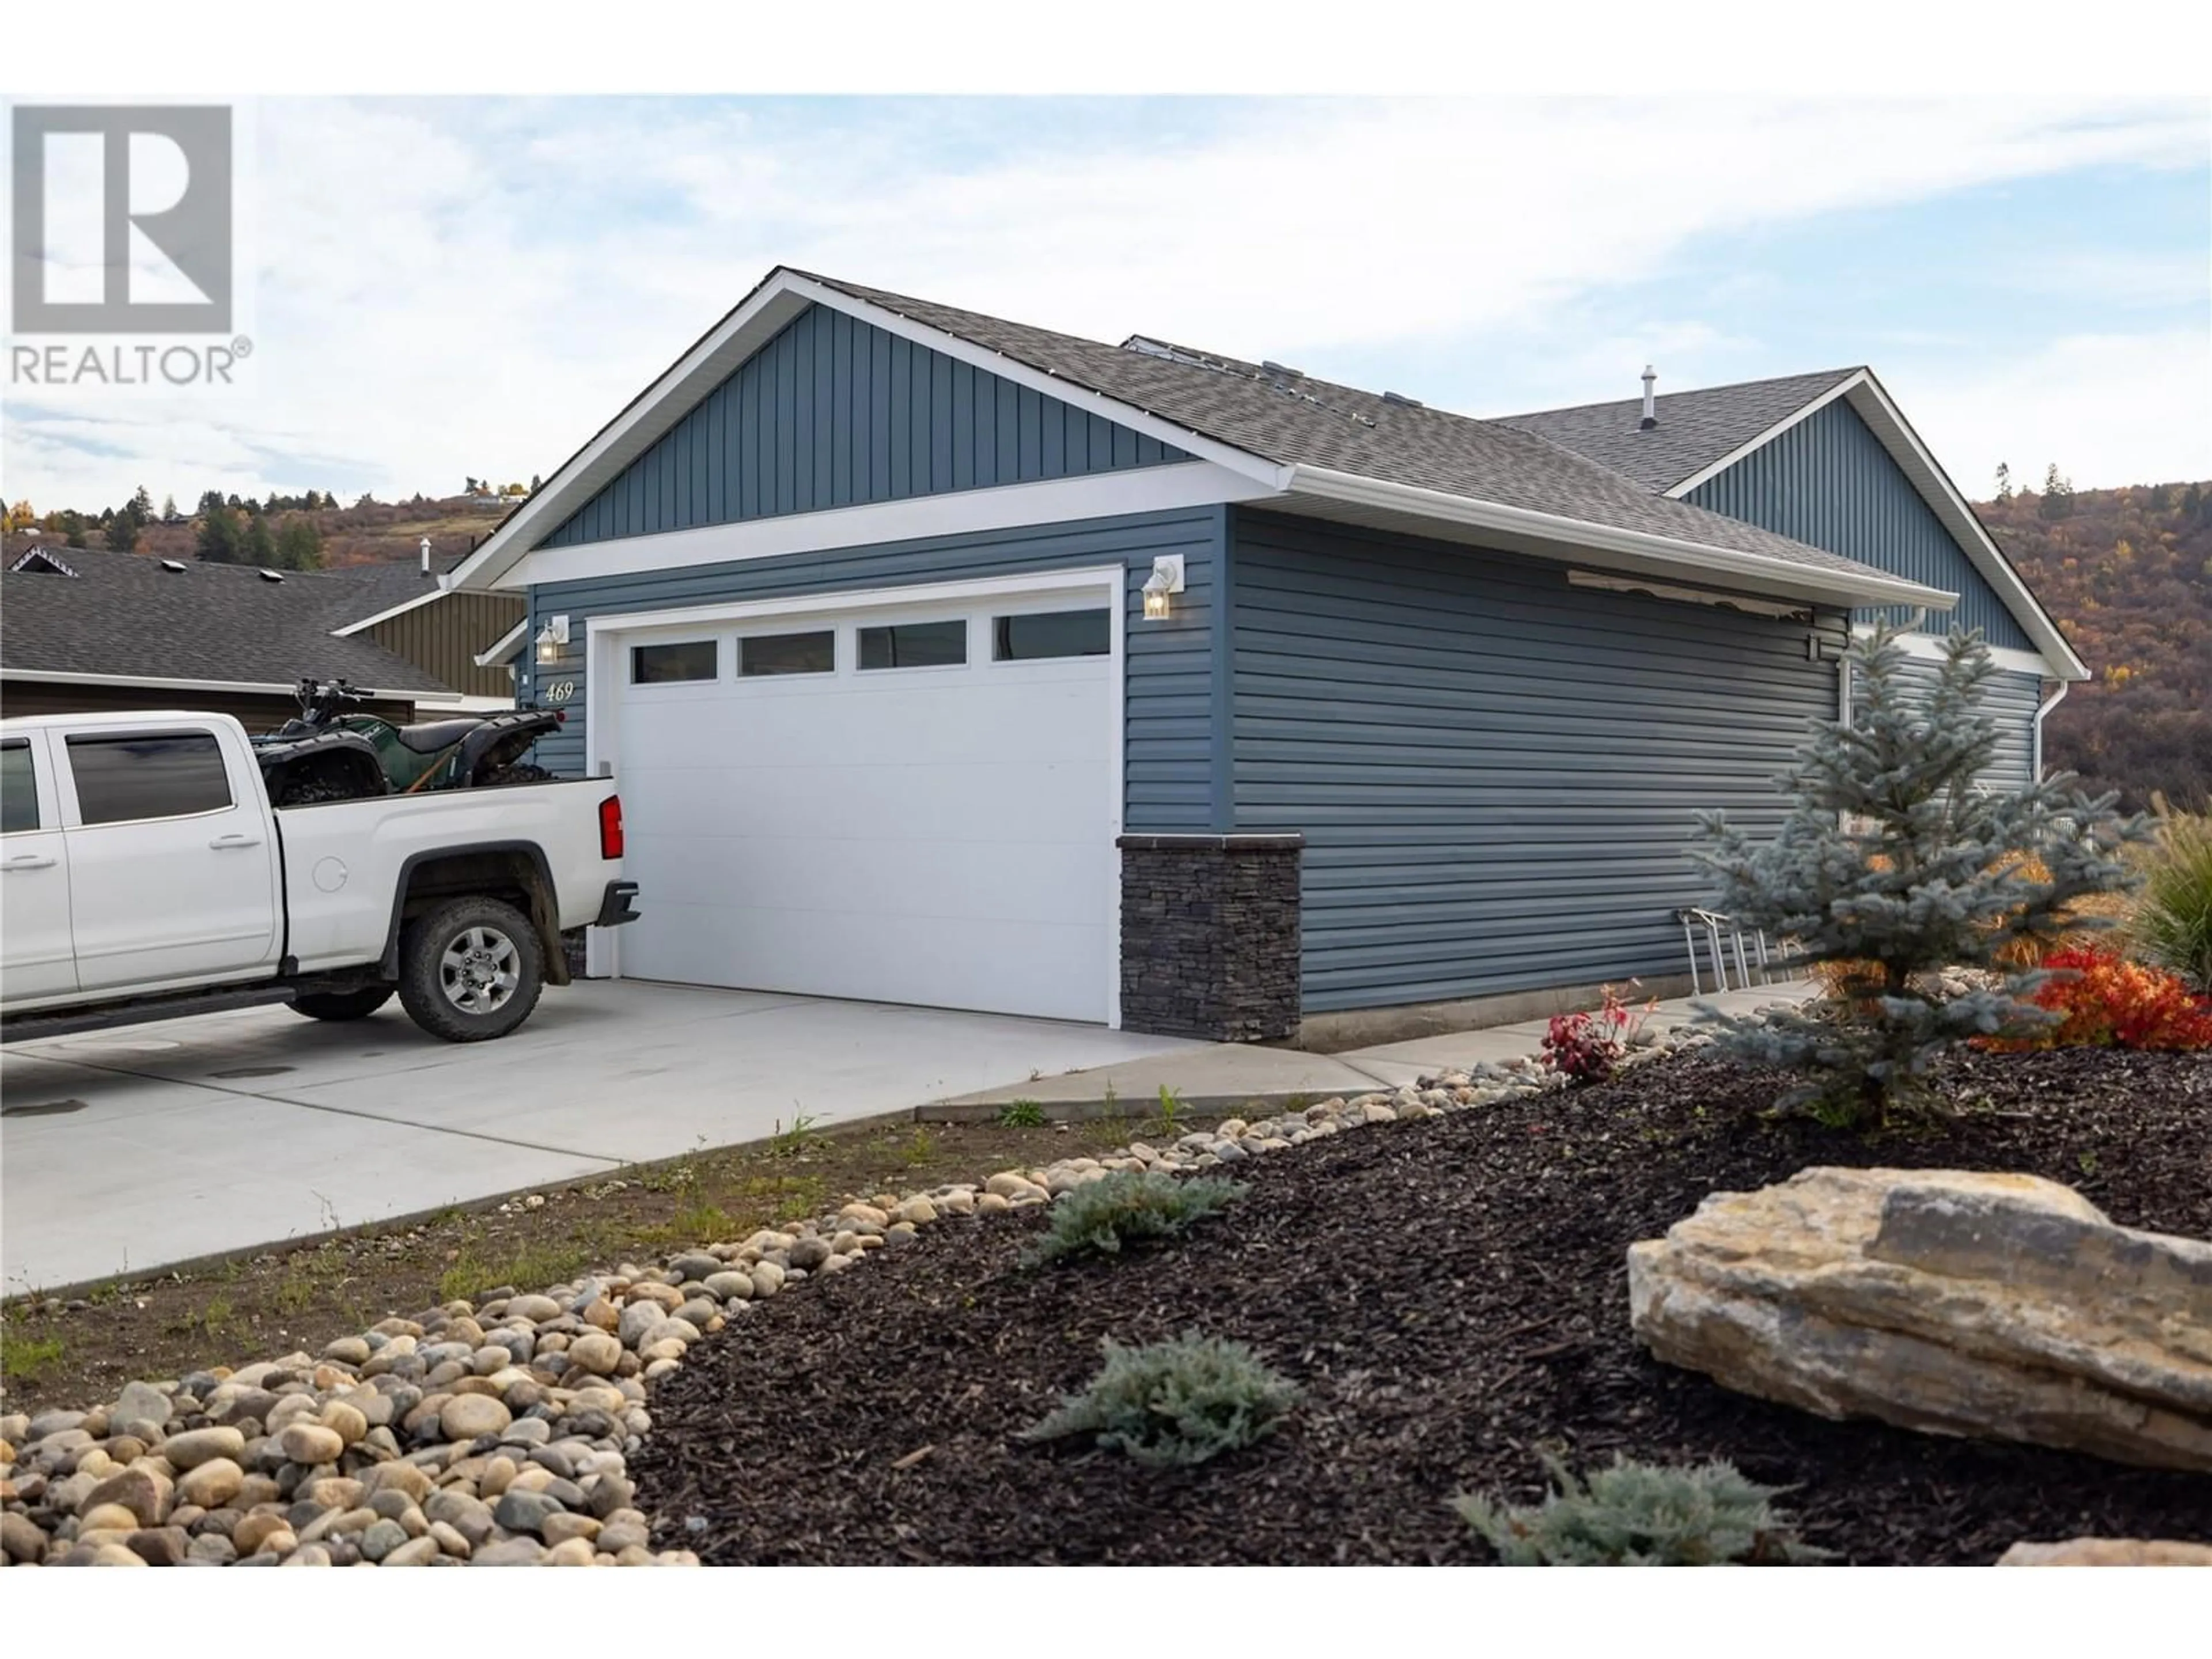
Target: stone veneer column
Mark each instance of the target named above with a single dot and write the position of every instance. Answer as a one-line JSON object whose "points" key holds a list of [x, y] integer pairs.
{"points": [[1210, 936]]}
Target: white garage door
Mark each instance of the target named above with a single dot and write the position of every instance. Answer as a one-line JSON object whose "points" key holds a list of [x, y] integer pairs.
{"points": [[910, 805]]}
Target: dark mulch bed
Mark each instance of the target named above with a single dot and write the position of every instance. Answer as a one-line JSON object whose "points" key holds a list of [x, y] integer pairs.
{"points": [[1451, 1294]]}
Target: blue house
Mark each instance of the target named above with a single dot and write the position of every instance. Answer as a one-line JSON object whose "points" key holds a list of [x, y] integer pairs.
{"points": [[949, 661]]}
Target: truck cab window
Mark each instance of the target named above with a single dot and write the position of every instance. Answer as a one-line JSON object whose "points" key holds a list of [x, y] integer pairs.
{"points": [[121, 780], [19, 790]]}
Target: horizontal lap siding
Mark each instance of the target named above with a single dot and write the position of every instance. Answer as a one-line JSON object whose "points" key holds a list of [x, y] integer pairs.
{"points": [[1828, 480], [1169, 682], [835, 412], [1496, 774]]}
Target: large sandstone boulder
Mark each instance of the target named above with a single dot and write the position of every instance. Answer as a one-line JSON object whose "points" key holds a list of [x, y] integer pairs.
{"points": [[2108, 1553], [1998, 1306]]}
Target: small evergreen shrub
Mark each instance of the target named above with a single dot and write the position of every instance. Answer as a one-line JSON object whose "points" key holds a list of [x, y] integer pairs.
{"points": [[1896, 858], [2173, 914], [1174, 1404], [1642, 1515], [1129, 1206], [2102, 1000]]}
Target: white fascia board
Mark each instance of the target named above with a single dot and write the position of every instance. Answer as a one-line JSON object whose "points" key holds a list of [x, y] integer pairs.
{"points": [[437, 591], [503, 649], [757, 320], [66, 676], [1267, 472], [1549, 534], [1165, 488], [1107, 578], [1874, 406], [1929, 648]]}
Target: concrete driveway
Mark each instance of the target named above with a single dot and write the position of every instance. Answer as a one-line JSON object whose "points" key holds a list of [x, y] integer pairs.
{"points": [[129, 1150]]}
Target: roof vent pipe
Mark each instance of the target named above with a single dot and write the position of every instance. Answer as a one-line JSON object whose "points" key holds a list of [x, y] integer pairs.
{"points": [[1651, 401], [426, 555]]}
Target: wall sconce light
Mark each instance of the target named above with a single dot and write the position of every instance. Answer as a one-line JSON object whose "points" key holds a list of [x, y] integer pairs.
{"points": [[551, 638], [1166, 578]]}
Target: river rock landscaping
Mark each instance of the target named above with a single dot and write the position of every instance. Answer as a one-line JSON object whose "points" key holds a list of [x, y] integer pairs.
{"points": [[1446, 1288]]}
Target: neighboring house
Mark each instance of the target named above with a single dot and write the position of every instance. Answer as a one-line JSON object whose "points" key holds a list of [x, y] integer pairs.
{"points": [[84, 629], [408, 612], [949, 661]]}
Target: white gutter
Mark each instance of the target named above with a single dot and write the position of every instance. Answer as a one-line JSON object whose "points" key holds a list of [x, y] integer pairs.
{"points": [[1577, 535], [2035, 761]]}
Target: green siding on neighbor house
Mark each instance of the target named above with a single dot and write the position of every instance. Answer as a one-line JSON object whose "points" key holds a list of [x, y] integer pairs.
{"points": [[1169, 692], [444, 636], [1497, 773], [835, 412], [1828, 480]]}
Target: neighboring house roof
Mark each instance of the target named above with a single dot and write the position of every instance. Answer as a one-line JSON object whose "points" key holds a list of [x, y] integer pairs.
{"points": [[1696, 428], [1314, 447], [124, 616], [377, 592]]}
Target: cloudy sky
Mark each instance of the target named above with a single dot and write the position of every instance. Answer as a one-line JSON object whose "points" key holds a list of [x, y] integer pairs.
{"points": [[450, 287]]}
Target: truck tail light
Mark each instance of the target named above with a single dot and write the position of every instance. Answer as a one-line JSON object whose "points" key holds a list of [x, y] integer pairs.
{"points": [[611, 831]]}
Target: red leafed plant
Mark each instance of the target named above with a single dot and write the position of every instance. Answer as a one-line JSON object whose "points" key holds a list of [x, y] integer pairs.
{"points": [[1587, 1047], [2104, 1000]]}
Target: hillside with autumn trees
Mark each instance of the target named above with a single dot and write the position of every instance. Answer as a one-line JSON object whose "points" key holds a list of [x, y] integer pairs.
{"points": [[2128, 572]]}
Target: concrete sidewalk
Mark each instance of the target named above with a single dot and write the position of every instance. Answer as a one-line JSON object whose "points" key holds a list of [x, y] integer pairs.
{"points": [[1229, 1077]]}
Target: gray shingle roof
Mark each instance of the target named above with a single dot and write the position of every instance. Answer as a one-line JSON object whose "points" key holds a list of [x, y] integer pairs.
{"points": [[123, 614], [1318, 423], [1695, 428]]}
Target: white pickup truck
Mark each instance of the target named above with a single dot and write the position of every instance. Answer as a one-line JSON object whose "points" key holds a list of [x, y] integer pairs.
{"points": [[144, 875]]}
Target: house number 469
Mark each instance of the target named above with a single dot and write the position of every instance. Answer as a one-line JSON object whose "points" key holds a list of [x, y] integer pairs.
{"points": [[560, 691]]}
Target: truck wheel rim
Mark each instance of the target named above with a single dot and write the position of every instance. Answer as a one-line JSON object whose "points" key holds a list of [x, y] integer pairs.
{"points": [[479, 970]]}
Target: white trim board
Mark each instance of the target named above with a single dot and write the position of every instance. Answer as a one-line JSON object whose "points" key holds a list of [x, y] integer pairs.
{"points": [[604, 636], [503, 648], [1873, 404], [438, 590], [1166, 488], [1928, 647], [757, 319]]}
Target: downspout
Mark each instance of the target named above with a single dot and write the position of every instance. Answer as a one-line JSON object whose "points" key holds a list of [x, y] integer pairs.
{"points": [[2042, 709]]}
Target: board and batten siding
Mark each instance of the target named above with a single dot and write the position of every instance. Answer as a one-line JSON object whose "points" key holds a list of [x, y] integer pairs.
{"points": [[835, 412], [1169, 684], [1828, 480], [1497, 773], [444, 636], [2010, 699]]}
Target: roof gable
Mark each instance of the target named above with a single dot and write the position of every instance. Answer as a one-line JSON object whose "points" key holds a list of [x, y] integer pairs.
{"points": [[1324, 450], [1695, 429], [1828, 480], [834, 411]]}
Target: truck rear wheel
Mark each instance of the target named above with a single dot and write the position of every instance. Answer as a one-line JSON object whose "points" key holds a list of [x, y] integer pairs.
{"points": [[471, 970], [342, 1004]]}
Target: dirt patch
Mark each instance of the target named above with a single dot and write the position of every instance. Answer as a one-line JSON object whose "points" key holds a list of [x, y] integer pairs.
{"points": [[77, 1351], [1450, 1295]]}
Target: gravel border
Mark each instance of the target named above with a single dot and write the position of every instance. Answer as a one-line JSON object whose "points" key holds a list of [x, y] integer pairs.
{"points": [[496, 1433]]}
